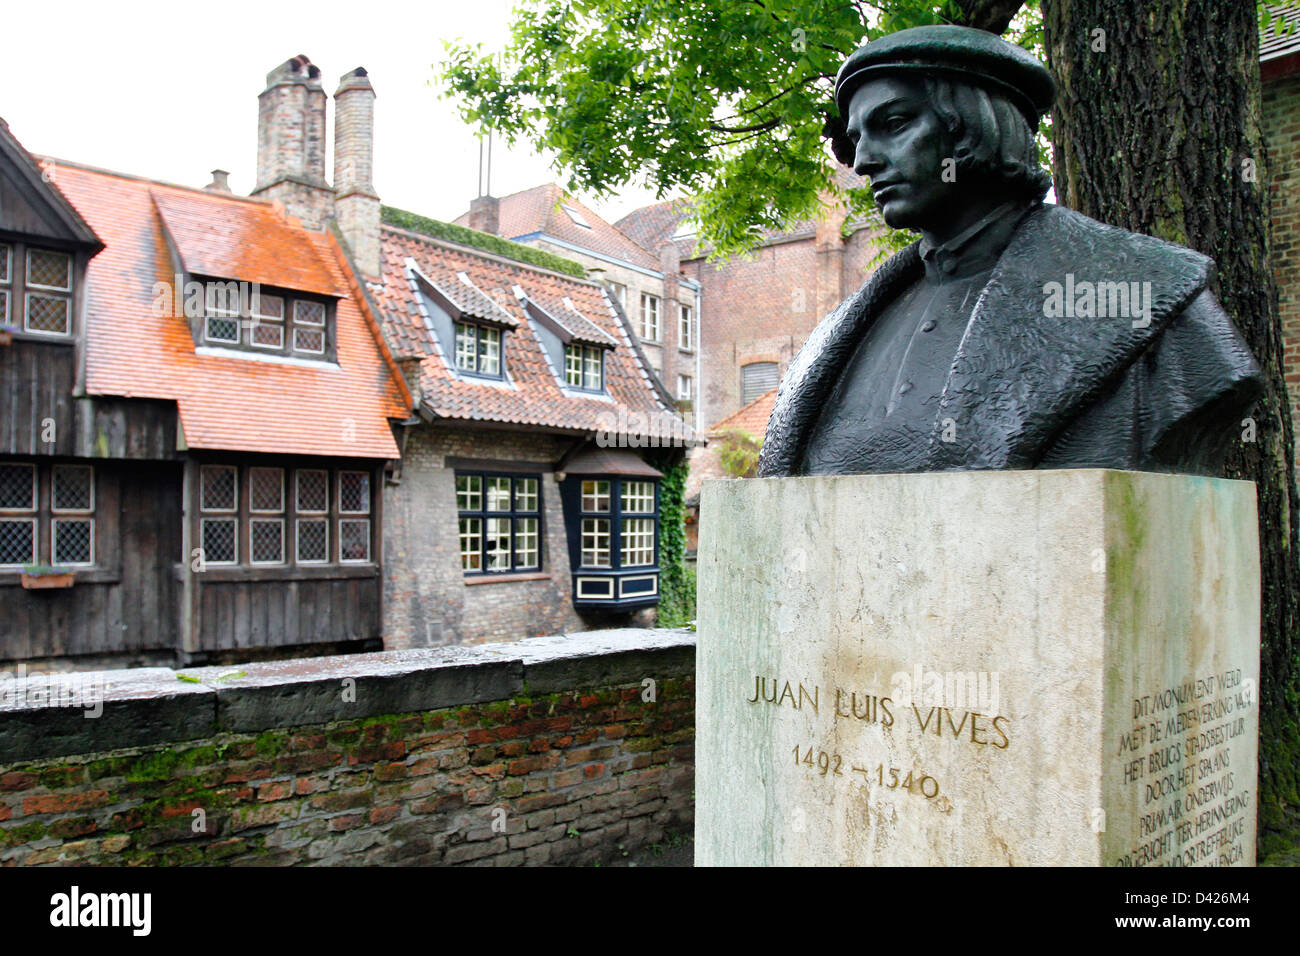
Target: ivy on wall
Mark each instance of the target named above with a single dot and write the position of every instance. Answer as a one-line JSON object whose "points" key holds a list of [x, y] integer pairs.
{"points": [[676, 580], [450, 232]]}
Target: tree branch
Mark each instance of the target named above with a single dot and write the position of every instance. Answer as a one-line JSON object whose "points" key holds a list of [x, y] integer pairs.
{"points": [[991, 15]]}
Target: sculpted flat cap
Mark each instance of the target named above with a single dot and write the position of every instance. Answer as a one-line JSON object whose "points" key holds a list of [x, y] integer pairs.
{"points": [[973, 54]]}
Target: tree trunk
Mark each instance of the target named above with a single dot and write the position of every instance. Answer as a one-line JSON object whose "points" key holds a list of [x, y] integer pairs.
{"points": [[1156, 129]]}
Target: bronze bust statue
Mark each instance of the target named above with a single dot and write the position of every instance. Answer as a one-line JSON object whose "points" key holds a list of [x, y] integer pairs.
{"points": [[1015, 334]]}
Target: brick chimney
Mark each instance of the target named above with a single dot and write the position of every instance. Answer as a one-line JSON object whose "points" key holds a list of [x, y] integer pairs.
{"points": [[220, 181], [356, 207], [291, 142], [485, 214]]}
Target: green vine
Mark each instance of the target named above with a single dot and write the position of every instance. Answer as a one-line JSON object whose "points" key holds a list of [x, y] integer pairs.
{"points": [[676, 580], [738, 452], [450, 232]]}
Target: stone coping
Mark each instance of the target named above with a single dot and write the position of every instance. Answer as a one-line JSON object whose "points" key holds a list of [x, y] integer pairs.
{"points": [[58, 715]]}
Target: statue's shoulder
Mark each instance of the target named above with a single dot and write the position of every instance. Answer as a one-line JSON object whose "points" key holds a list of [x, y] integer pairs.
{"points": [[1057, 233]]}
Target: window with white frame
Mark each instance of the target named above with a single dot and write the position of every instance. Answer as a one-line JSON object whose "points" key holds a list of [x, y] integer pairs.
{"points": [[478, 349], [354, 529], [499, 522], [685, 388], [595, 530], [620, 293], [47, 515], [311, 526], [265, 515], [649, 317], [72, 509], [584, 367], [18, 514], [637, 544], [48, 307], [619, 523], [266, 507], [686, 328]]}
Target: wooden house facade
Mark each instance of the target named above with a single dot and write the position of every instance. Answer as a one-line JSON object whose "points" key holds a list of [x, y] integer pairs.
{"points": [[197, 419]]}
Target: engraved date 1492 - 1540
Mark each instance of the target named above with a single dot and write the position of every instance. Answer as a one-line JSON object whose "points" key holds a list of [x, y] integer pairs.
{"points": [[831, 764]]}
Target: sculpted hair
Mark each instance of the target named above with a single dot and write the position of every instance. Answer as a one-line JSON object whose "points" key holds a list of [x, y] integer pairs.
{"points": [[992, 139]]}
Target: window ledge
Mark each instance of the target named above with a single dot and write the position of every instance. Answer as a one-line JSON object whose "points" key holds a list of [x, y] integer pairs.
{"points": [[502, 578], [303, 572], [84, 576], [269, 357]]}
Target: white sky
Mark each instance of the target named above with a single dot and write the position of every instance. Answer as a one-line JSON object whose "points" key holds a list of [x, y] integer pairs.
{"points": [[168, 90]]}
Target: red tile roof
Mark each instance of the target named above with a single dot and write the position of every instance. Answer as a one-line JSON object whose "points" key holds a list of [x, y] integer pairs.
{"points": [[651, 225], [751, 419], [239, 240], [657, 223], [533, 396], [235, 404], [538, 210]]}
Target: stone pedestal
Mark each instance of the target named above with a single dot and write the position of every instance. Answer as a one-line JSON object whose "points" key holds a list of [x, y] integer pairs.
{"points": [[1024, 668]]}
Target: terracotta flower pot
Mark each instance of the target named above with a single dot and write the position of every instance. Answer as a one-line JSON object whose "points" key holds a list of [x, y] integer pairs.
{"points": [[38, 582]]}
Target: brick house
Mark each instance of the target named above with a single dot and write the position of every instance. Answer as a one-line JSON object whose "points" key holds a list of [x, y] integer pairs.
{"points": [[516, 512], [645, 280], [1279, 68], [761, 307]]}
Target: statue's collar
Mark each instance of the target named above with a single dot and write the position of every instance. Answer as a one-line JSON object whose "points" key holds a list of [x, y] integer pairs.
{"points": [[975, 249]]}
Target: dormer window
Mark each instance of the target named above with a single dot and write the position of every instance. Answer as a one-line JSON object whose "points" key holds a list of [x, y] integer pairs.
{"points": [[35, 289], [575, 345], [584, 367], [478, 349], [469, 325], [240, 315]]}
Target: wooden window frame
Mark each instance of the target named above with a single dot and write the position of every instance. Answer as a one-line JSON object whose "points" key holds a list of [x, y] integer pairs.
{"points": [[18, 290], [291, 517], [45, 517], [249, 318], [686, 328]]}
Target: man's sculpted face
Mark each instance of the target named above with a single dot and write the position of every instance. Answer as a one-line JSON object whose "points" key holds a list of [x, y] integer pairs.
{"points": [[901, 144]]}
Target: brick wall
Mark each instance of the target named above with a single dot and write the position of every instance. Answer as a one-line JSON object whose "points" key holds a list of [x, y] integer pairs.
{"points": [[546, 751], [1281, 121], [427, 600], [763, 308]]}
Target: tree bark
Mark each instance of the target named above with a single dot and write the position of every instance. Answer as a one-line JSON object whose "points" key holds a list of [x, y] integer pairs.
{"points": [[1156, 129]]}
